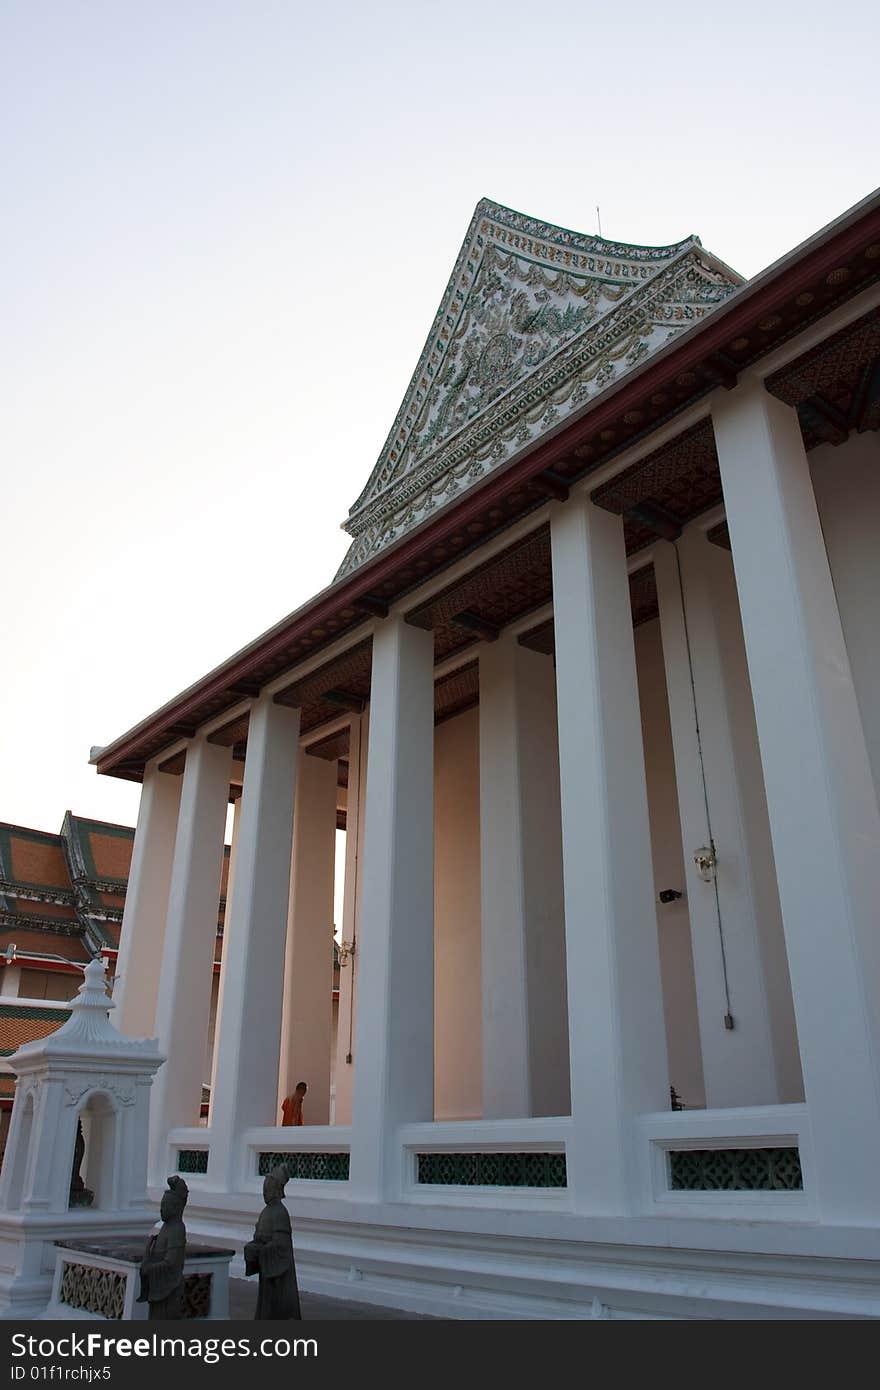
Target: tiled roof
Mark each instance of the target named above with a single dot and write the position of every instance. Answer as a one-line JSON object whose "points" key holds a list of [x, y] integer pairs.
{"points": [[69, 886], [32, 858], [61, 912], [20, 1025], [97, 851], [36, 942]]}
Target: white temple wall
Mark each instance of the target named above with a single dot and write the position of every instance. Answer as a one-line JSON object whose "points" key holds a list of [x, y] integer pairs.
{"points": [[346, 1008], [542, 891], [846, 481], [212, 1027], [306, 1029], [756, 825], [457, 966], [220, 975], [334, 1045], [673, 922]]}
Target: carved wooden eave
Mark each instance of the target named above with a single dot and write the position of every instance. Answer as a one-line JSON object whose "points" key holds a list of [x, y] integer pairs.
{"points": [[535, 323], [835, 386]]}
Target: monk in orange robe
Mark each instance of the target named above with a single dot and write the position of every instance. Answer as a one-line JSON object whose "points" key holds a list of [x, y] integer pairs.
{"points": [[292, 1106]]}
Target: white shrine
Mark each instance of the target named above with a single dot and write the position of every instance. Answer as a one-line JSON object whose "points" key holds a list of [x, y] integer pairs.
{"points": [[596, 697], [84, 1074]]}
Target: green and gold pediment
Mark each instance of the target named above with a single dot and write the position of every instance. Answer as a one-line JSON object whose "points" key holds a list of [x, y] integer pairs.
{"points": [[535, 321]]}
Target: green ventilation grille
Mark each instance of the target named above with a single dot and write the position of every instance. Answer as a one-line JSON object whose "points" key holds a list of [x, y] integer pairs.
{"points": [[192, 1160], [492, 1170], [318, 1167], [735, 1170]]}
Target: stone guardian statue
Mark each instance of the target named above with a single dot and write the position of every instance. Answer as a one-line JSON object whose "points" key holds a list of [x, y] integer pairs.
{"points": [[162, 1263], [270, 1253]]}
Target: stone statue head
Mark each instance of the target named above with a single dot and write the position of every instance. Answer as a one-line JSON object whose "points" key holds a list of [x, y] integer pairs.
{"points": [[174, 1200], [274, 1183]]}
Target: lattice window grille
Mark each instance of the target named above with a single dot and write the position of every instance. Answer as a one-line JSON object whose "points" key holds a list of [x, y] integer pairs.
{"points": [[197, 1295], [315, 1167], [735, 1170], [192, 1160], [95, 1290], [535, 1170]]}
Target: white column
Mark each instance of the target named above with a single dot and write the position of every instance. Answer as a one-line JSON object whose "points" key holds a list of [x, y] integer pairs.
{"points": [[184, 1001], [823, 811], [248, 1037], [141, 940], [617, 1044], [739, 1064], [525, 1042], [394, 1035], [230, 883], [355, 821], [308, 962], [11, 981]]}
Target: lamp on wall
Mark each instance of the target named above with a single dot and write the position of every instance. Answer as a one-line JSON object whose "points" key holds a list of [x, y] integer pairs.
{"points": [[706, 862], [345, 950]]}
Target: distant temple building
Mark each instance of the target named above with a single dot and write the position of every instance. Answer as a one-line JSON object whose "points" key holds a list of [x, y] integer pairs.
{"points": [[61, 904], [597, 690], [61, 901]]}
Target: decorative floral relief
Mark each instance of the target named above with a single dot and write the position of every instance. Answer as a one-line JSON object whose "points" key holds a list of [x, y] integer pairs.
{"points": [[75, 1092], [535, 322]]}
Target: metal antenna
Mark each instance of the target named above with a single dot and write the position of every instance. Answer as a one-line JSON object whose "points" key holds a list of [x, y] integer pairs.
{"points": [[599, 219]]}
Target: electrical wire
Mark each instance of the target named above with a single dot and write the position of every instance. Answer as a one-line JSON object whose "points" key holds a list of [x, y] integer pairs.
{"points": [[357, 851], [728, 1020]]}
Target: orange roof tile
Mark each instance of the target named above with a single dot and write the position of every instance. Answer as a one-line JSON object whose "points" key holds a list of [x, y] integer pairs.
{"points": [[37, 859], [111, 931], [19, 1025], [111, 854], [112, 899], [26, 907]]}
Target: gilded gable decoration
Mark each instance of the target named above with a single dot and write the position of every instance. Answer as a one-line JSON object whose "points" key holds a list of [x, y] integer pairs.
{"points": [[536, 321]]}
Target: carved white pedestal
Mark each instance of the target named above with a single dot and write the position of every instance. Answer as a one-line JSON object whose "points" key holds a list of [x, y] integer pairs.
{"points": [[100, 1280]]}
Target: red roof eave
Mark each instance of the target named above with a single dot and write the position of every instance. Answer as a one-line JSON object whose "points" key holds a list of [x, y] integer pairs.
{"points": [[39, 963]]}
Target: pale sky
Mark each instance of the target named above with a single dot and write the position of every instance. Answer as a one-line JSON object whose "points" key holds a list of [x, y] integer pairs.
{"points": [[226, 229]]}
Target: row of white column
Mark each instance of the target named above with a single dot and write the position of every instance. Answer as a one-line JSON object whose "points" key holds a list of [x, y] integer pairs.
{"points": [[274, 1008], [822, 813], [823, 819]]}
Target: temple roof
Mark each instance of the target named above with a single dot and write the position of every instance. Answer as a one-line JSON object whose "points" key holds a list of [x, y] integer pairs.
{"points": [[20, 1024], [535, 322], [827, 271], [70, 886], [65, 894]]}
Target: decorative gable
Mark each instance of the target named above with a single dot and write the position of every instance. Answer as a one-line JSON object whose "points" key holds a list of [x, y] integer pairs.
{"points": [[536, 321]]}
